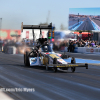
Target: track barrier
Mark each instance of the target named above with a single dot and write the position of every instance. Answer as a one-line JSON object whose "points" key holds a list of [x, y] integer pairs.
{"points": [[11, 50], [86, 50]]}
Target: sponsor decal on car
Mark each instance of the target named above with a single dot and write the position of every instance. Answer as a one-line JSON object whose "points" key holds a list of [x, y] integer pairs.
{"points": [[50, 61], [33, 60], [54, 56], [62, 61], [59, 55]]}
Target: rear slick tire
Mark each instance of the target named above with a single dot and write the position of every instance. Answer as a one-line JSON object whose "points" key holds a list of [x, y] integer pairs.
{"points": [[26, 59]]}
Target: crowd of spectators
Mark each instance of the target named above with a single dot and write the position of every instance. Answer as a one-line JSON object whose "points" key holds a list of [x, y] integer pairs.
{"points": [[57, 45], [16, 43], [71, 44]]}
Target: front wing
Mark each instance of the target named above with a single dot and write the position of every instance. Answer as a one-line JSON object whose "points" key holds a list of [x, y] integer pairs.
{"points": [[68, 65]]}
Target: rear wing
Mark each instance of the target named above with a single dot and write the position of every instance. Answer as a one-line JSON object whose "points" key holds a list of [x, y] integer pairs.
{"points": [[50, 27], [36, 26]]}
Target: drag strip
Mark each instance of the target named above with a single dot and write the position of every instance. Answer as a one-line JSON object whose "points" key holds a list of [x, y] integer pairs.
{"points": [[47, 85], [86, 25], [82, 24]]}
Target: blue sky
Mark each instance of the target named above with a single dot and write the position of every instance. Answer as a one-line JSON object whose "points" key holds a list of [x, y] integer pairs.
{"points": [[13, 12], [85, 11]]}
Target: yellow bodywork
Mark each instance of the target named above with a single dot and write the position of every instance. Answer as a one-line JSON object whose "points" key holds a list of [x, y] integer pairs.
{"points": [[45, 60], [67, 65], [53, 56]]}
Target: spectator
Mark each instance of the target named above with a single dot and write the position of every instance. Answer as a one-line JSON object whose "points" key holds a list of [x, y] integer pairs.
{"points": [[92, 43]]}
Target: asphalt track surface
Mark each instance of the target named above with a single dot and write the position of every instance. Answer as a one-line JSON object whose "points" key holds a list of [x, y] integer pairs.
{"points": [[73, 21], [97, 22], [86, 25], [84, 84]]}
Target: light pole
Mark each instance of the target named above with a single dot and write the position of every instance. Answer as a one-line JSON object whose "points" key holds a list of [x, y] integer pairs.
{"points": [[0, 26]]}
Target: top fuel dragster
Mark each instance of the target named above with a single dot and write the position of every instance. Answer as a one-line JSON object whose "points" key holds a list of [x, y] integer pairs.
{"points": [[42, 54]]}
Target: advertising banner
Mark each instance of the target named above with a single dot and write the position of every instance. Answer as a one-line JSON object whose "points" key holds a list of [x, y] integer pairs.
{"points": [[27, 34], [7, 34], [88, 50]]}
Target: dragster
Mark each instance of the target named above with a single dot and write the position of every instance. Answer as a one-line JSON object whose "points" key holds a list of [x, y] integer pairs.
{"points": [[42, 54]]}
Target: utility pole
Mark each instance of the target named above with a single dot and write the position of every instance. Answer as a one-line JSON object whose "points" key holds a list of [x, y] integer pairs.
{"points": [[48, 17]]}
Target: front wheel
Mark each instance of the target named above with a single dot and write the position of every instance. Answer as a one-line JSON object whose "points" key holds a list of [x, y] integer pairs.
{"points": [[55, 62], [73, 61], [47, 67]]}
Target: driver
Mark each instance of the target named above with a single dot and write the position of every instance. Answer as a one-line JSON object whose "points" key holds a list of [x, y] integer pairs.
{"points": [[45, 48]]}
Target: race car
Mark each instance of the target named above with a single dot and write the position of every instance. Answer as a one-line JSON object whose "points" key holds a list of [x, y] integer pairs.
{"points": [[44, 55]]}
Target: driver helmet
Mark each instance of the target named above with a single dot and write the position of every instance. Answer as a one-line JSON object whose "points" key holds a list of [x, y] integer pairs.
{"points": [[45, 48]]}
